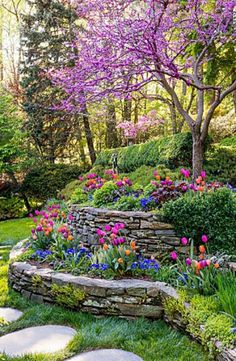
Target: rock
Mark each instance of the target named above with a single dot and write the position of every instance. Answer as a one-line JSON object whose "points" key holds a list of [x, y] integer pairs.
{"points": [[35, 340], [10, 314], [106, 355]]}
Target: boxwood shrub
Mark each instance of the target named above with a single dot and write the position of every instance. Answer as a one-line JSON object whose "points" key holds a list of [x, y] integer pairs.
{"points": [[212, 213], [45, 182], [172, 151]]}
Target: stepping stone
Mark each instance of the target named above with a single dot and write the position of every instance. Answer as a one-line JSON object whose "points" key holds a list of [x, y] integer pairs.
{"points": [[10, 314], [35, 340], [106, 355]]}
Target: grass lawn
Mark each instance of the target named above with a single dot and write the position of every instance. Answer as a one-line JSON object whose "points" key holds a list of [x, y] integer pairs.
{"points": [[15, 230], [153, 341]]}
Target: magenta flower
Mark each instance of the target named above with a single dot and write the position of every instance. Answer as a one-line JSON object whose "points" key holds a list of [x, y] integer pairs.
{"points": [[30, 215], [101, 240], [155, 173], [70, 217], [37, 213], [185, 172], [33, 231], [100, 232], [81, 179], [203, 174], [174, 256], [107, 228], [204, 238], [119, 183], [184, 241], [188, 261], [39, 228]]}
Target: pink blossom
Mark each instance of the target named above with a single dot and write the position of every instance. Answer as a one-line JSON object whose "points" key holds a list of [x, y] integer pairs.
{"points": [[204, 238], [203, 174], [100, 232], [184, 241], [107, 228], [174, 256], [188, 261], [101, 240]]}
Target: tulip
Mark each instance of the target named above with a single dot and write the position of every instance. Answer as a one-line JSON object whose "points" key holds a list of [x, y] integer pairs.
{"points": [[204, 238], [173, 256], [184, 241], [188, 261]]}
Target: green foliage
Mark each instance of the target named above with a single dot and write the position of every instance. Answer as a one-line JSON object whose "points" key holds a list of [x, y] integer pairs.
{"points": [[212, 213], [229, 142], [226, 285], [218, 328], [69, 189], [127, 203], [220, 164], [67, 295], [13, 230], [173, 305], [105, 194], [46, 181], [172, 151], [78, 196], [12, 207], [37, 281]]}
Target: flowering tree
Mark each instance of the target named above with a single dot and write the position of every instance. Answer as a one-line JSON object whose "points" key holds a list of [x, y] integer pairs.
{"points": [[145, 123], [131, 43]]}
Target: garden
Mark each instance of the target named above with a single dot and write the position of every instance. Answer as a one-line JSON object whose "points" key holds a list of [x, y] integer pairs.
{"points": [[118, 180]]}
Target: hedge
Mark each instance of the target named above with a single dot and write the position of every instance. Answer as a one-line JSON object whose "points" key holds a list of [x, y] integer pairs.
{"points": [[171, 151]]}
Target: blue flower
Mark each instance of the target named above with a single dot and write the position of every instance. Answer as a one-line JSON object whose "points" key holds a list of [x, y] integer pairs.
{"points": [[42, 254]]}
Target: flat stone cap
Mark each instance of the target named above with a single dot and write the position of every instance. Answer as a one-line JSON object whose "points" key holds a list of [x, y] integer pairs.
{"points": [[35, 340], [106, 355]]}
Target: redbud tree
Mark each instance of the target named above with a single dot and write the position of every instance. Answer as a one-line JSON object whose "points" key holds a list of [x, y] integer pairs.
{"points": [[128, 44]]}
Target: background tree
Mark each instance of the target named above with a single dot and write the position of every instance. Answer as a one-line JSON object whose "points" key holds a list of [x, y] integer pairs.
{"points": [[170, 43], [47, 30]]}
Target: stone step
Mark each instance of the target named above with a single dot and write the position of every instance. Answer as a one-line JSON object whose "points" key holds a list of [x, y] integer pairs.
{"points": [[10, 314], [36, 340], [106, 355]]}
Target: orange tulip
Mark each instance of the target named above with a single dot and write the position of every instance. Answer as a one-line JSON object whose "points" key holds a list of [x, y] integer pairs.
{"points": [[216, 265], [133, 244], [105, 247], [70, 238], [127, 252], [202, 249], [120, 260]]}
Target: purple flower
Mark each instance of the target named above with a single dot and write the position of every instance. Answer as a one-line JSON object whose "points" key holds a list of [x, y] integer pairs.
{"points": [[119, 183], [174, 256], [184, 241], [107, 228], [39, 228], [188, 261], [203, 174], [204, 238]]}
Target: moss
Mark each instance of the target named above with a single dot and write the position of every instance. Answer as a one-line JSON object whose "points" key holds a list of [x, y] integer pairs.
{"points": [[3, 322], [218, 328], [67, 295], [37, 281], [173, 306]]}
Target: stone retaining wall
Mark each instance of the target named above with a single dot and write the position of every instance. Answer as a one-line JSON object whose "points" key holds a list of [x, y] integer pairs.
{"points": [[152, 235], [126, 298]]}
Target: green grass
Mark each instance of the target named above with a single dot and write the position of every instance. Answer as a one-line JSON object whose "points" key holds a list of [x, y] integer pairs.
{"points": [[15, 230], [153, 341]]}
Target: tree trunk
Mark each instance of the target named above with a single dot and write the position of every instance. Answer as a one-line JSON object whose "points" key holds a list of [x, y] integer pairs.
{"points": [[88, 135], [111, 131], [198, 154], [22, 194]]}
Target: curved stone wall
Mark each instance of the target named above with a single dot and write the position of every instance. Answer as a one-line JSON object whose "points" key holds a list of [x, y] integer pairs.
{"points": [[152, 235], [124, 298]]}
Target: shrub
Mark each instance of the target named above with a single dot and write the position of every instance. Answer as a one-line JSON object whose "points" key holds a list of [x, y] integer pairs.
{"points": [[45, 182], [12, 207], [106, 194], [229, 142], [212, 213], [127, 203], [69, 189], [172, 151], [220, 164], [78, 196]]}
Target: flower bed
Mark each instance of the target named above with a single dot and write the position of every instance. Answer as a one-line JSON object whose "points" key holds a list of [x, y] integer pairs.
{"points": [[123, 298]]}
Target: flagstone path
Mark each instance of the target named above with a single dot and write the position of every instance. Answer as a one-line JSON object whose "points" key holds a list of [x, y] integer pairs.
{"points": [[106, 355], [35, 340], [10, 314]]}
